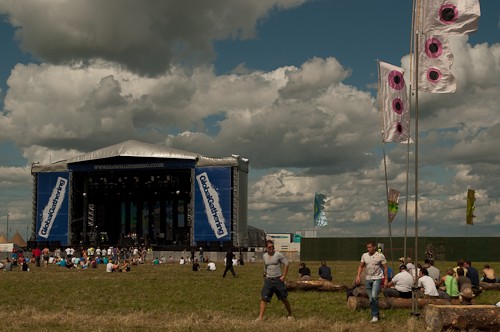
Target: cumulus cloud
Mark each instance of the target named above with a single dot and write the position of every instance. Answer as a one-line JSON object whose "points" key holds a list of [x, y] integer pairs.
{"points": [[145, 37], [302, 127]]}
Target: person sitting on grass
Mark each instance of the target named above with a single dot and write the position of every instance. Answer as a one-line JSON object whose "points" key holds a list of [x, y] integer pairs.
{"points": [[211, 266], [196, 265], [7, 265], [125, 266], [489, 275], [111, 266], [449, 284]]}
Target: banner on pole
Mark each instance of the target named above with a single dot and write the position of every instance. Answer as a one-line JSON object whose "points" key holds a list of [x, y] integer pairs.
{"points": [[319, 210], [393, 201], [471, 199]]}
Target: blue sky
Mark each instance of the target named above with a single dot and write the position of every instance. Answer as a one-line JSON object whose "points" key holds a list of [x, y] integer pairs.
{"points": [[289, 84]]}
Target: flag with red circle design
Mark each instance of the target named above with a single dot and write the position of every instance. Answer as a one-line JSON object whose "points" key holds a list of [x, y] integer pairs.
{"points": [[450, 17], [435, 60], [393, 98]]}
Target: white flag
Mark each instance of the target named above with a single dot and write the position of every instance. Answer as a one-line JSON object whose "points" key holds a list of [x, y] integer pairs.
{"points": [[394, 103], [435, 60], [450, 17]]}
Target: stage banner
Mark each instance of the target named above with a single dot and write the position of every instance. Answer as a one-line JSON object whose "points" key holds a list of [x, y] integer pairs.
{"points": [[52, 207], [212, 207]]}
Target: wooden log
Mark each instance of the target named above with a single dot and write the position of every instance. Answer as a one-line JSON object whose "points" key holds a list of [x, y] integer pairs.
{"points": [[462, 317], [489, 286], [360, 291], [315, 285], [356, 302]]}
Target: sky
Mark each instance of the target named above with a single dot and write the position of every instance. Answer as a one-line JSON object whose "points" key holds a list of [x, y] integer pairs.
{"points": [[289, 84]]}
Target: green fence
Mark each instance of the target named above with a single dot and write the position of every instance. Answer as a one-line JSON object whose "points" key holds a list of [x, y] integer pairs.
{"points": [[482, 249]]}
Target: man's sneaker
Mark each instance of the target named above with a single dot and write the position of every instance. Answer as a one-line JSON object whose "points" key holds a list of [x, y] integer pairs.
{"points": [[374, 320], [290, 318]]}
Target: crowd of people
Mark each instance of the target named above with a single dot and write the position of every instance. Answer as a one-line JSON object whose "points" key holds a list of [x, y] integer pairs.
{"points": [[114, 258], [373, 274], [460, 282]]}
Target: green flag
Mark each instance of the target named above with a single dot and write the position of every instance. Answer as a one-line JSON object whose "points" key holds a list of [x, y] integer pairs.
{"points": [[470, 206]]}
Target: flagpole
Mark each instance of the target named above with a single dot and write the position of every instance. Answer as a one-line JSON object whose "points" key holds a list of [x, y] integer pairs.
{"points": [[414, 299], [407, 191], [388, 207]]}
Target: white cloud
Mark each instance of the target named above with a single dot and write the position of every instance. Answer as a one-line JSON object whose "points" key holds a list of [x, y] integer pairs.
{"points": [[145, 36], [311, 130]]}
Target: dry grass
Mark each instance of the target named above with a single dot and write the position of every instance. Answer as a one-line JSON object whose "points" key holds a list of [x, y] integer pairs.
{"points": [[173, 298]]}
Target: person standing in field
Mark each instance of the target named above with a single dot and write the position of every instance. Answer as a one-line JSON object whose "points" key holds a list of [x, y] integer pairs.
{"points": [[376, 274], [229, 263], [274, 280], [36, 253], [46, 256]]}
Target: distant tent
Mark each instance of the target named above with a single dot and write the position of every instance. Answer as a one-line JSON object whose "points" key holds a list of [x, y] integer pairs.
{"points": [[3, 239], [18, 239]]}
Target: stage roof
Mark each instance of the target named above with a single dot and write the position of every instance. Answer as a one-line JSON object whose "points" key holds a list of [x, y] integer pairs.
{"points": [[132, 148]]}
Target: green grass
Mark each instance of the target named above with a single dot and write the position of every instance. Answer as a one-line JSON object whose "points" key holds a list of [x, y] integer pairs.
{"points": [[171, 297]]}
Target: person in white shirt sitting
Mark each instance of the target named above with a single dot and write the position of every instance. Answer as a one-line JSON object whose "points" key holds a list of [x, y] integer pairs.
{"points": [[400, 285], [211, 266], [426, 285]]}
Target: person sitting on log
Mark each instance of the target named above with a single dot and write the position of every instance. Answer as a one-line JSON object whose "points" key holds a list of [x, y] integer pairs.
{"points": [[465, 287], [449, 284], [473, 275], [325, 273], [462, 280], [304, 272], [410, 266], [427, 286], [433, 271], [489, 275], [460, 264], [400, 285]]}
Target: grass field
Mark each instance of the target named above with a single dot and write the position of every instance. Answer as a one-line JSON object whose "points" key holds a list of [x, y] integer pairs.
{"points": [[171, 297]]}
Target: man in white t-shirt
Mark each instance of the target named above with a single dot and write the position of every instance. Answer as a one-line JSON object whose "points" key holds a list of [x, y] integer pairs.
{"points": [[68, 252], [376, 275], [402, 282], [211, 266], [427, 284]]}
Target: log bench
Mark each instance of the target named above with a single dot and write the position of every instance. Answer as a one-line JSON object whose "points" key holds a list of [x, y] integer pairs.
{"points": [[462, 317], [357, 302], [489, 286], [315, 285]]}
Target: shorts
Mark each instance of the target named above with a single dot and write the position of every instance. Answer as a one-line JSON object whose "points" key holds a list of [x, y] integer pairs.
{"points": [[273, 286]]}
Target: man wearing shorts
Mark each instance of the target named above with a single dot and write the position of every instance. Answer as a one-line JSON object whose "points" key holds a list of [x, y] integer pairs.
{"points": [[274, 280]]}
